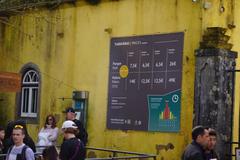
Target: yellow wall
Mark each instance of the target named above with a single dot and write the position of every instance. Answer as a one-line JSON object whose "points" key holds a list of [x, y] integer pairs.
{"points": [[236, 41], [228, 19], [71, 45]]}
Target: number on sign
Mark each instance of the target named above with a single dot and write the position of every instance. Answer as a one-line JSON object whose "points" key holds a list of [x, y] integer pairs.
{"points": [[172, 80], [158, 80], [133, 65], [145, 81], [172, 63], [133, 81], [146, 65], [159, 64]]}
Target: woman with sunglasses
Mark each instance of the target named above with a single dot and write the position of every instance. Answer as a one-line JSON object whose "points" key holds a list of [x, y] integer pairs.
{"points": [[49, 133]]}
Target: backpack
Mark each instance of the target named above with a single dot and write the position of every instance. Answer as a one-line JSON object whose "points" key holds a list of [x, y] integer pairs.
{"points": [[79, 146], [21, 156], [82, 135]]}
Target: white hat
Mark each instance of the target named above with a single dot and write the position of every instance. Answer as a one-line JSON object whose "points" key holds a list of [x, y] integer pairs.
{"points": [[69, 124]]}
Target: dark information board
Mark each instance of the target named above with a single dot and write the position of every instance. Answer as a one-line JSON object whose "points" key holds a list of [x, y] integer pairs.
{"points": [[145, 75]]}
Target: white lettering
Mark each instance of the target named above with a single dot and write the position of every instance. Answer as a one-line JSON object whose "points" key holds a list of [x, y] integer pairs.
{"points": [[136, 42], [172, 80], [117, 63], [159, 64], [132, 81], [116, 77], [145, 81], [172, 63], [146, 65], [158, 80], [114, 86], [157, 52], [116, 82], [122, 43], [133, 65], [171, 50]]}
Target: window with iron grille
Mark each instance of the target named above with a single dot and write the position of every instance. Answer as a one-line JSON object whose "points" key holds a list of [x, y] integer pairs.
{"points": [[30, 94]]}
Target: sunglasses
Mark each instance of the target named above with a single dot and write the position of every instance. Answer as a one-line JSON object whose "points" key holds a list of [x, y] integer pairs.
{"points": [[18, 126], [50, 119]]}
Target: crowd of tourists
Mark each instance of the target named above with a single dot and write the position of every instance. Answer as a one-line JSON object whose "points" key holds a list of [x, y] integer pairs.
{"points": [[17, 144]]}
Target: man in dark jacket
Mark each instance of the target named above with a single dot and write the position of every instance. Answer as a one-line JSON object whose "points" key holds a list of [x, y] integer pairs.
{"points": [[195, 150], [82, 134]]}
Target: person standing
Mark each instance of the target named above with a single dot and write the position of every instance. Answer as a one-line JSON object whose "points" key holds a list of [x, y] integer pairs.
{"points": [[8, 141], [72, 148], [210, 151], [49, 133], [19, 151], [195, 150], [71, 115]]}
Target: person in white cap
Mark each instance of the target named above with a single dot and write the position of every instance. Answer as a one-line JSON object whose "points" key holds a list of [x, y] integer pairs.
{"points": [[72, 148], [71, 115]]}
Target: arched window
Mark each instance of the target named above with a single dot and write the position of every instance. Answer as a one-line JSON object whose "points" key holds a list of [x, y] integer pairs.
{"points": [[30, 93]]}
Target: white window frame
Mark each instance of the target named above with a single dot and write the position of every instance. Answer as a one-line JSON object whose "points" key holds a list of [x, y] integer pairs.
{"points": [[30, 82]]}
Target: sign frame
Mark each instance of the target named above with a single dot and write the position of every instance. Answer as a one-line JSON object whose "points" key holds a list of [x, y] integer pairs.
{"points": [[145, 73], [237, 153]]}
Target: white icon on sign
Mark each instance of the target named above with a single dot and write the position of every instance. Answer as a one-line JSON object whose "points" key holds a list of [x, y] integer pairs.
{"points": [[136, 122], [139, 123], [175, 98]]}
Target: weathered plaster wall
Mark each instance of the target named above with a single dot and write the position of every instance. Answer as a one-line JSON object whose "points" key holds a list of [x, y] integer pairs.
{"points": [[70, 45]]}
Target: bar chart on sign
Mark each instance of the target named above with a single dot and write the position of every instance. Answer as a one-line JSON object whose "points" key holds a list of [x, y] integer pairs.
{"points": [[145, 74]]}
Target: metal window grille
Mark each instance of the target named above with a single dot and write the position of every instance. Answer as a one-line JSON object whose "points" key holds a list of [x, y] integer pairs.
{"points": [[29, 94]]}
